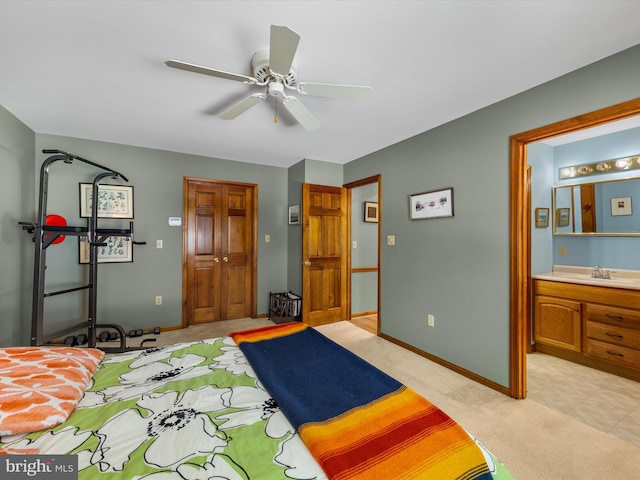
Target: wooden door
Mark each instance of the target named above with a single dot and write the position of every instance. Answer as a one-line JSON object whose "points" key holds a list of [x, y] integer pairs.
{"points": [[588, 207], [218, 252], [236, 248], [324, 260]]}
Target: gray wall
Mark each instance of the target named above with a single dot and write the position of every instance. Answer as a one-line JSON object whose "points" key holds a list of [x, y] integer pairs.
{"points": [[126, 291], [17, 169], [458, 268]]}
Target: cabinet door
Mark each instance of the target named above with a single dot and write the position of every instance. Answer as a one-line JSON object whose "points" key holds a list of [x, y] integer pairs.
{"points": [[557, 322]]}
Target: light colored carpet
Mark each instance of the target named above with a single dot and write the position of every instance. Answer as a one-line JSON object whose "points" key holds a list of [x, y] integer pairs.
{"points": [[533, 441]]}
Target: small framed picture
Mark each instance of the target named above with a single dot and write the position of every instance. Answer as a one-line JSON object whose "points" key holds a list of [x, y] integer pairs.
{"points": [[371, 212], [620, 206], [116, 250], [562, 217], [542, 217], [114, 201], [294, 214], [434, 204]]}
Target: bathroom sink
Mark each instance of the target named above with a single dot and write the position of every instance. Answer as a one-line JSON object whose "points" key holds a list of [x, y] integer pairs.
{"points": [[587, 279]]}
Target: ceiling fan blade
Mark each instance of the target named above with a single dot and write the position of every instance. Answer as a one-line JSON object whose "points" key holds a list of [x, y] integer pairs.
{"points": [[353, 92], [242, 106], [300, 113], [190, 67], [282, 49]]}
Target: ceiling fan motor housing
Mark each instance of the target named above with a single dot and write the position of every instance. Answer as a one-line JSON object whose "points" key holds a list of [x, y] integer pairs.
{"points": [[261, 71]]}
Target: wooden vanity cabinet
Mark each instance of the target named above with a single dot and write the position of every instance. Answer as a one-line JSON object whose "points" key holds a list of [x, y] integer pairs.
{"points": [[592, 325], [557, 322]]}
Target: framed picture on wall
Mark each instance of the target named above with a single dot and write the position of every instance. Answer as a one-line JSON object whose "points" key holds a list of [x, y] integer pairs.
{"points": [[114, 201], [542, 217], [294, 214], [620, 206], [434, 204], [562, 217], [371, 212]]}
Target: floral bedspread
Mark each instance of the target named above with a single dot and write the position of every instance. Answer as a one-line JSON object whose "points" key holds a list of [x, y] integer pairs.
{"points": [[188, 411]]}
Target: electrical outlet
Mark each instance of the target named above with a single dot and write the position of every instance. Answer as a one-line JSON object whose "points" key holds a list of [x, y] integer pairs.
{"points": [[159, 300], [431, 320]]}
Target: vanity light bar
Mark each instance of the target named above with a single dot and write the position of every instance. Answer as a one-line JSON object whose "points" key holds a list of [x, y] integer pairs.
{"points": [[598, 168]]}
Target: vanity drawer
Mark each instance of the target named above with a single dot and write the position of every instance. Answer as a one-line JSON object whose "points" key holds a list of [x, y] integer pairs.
{"points": [[609, 333], [613, 353], [615, 316]]}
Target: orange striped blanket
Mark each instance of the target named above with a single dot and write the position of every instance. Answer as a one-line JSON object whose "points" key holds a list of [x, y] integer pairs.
{"points": [[358, 422]]}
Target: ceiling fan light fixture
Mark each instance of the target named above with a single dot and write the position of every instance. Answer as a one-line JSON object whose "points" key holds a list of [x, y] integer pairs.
{"points": [[276, 89], [275, 68]]}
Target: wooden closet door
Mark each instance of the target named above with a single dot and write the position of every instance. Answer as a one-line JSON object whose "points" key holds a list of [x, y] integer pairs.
{"points": [[203, 223], [236, 244], [219, 251]]}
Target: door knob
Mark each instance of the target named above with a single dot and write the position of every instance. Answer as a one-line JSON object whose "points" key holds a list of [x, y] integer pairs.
{"points": [[225, 259], [216, 259], [306, 263]]}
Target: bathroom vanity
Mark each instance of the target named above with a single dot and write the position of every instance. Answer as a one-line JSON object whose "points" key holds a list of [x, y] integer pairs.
{"points": [[592, 321]]}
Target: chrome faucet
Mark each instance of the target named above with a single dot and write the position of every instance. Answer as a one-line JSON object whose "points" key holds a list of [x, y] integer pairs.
{"points": [[599, 273]]}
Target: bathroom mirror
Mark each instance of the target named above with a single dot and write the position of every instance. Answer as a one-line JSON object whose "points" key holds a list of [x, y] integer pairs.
{"points": [[607, 208]]}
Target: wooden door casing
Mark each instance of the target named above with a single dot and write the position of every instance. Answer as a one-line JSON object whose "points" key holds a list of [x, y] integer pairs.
{"points": [[219, 253], [324, 270]]}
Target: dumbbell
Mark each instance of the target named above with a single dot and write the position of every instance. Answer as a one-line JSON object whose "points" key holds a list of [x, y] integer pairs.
{"points": [[81, 339]]}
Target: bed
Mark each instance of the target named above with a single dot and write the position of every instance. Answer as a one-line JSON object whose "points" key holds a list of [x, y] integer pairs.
{"points": [[274, 402]]}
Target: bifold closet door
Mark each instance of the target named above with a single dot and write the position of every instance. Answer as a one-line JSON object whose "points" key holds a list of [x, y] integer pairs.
{"points": [[217, 283]]}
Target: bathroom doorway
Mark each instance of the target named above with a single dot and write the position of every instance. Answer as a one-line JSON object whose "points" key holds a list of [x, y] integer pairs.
{"points": [[520, 227]]}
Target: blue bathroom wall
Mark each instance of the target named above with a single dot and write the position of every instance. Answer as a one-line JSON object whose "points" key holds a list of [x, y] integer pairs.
{"points": [[610, 251]]}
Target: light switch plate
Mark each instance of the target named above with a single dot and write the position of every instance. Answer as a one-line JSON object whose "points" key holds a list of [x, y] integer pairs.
{"points": [[391, 239]]}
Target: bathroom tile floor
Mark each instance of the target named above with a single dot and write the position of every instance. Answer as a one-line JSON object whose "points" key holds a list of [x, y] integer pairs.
{"points": [[604, 401]]}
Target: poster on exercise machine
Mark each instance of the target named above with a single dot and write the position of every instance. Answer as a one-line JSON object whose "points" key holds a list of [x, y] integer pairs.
{"points": [[113, 250]]}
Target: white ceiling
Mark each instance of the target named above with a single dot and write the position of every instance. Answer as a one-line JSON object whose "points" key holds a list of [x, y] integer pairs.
{"points": [[95, 69]]}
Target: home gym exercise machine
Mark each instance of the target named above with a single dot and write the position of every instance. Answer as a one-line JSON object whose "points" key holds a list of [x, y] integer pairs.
{"points": [[46, 234]]}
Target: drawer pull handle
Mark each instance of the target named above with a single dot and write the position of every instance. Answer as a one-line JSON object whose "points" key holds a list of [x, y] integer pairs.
{"points": [[615, 317], [613, 335], [614, 354]]}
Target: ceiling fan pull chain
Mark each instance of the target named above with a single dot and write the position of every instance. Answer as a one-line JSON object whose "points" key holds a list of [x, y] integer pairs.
{"points": [[275, 118]]}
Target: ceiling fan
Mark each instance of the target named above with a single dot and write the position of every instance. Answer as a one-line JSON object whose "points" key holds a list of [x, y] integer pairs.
{"points": [[274, 67]]}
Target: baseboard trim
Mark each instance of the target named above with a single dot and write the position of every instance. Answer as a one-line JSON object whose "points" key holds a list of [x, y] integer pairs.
{"points": [[364, 314]]}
